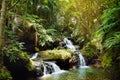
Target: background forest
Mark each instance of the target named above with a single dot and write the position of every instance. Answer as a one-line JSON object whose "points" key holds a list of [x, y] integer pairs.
{"points": [[94, 25]]}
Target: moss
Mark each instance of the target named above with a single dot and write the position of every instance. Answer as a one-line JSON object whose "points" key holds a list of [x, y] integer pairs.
{"points": [[30, 65], [56, 54], [21, 59], [24, 56], [5, 74]]}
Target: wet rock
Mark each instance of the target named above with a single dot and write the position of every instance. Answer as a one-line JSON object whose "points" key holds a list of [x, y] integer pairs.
{"points": [[70, 63], [21, 68], [65, 59]]}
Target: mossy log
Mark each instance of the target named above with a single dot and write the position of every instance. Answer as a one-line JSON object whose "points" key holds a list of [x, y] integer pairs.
{"points": [[65, 59], [56, 54]]}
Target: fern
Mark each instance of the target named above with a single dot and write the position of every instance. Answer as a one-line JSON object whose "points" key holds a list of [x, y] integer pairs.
{"points": [[110, 19], [109, 32], [112, 40], [12, 51], [110, 23], [46, 36]]}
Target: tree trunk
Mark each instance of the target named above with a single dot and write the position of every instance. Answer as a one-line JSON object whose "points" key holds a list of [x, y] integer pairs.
{"points": [[2, 25]]}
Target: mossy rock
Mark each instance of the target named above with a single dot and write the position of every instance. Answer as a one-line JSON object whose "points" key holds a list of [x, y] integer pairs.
{"points": [[20, 68], [5, 74], [18, 59], [55, 54]]}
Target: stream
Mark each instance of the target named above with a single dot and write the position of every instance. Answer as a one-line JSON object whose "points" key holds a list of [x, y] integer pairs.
{"points": [[82, 73], [79, 74]]}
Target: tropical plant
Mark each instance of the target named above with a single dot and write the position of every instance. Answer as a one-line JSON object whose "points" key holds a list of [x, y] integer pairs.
{"points": [[108, 37], [46, 36], [13, 50], [5, 74], [87, 14], [111, 29]]}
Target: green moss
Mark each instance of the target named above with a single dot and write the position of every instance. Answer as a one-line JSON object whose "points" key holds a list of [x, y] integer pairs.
{"points": [[30, 65], [56, 54], [89, 50], [25, 57], [5, 74], [107, 59]]}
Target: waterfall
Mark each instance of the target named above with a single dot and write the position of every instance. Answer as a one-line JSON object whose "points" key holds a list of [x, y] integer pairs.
{"points": [[46, 66], [44, 69], [49, 67], [69, 45], [54, 66], [34, 56], [82, 60]]}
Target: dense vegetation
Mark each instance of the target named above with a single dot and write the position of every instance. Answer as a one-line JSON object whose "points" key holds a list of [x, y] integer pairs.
{"points": [[40, 24]]}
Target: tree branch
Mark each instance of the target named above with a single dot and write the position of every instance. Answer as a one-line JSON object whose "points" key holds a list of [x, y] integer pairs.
{"points": [[13, 5]]}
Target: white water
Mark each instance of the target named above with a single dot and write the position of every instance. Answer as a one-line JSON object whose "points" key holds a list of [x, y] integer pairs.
{"points": [[48, 67], [69, 44], [34, 56], [72, 47], [51, 67], [54, 66], [82, 60], [44, 69], [55, 69]]}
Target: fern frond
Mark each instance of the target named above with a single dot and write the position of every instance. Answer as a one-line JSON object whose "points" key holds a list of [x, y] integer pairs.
{"points": [[112, 40]]}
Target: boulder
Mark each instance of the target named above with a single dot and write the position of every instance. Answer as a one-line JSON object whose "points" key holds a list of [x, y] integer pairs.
{"points": [[21, 68], [64, 58]]}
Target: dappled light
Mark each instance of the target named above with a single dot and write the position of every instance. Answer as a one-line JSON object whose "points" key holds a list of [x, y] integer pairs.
{"points": [[59, 39]]}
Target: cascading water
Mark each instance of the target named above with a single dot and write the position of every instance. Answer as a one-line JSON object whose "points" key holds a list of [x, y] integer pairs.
{"points": [[48, 67], [82, 60], [54, 66], [34, 56], [44, 69], [69, 45]]}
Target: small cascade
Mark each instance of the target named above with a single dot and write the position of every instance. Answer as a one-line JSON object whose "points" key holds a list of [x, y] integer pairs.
{"points": [[44, 69], [82, 60], [54, 66], [34, 56], [72, 47], [48, 67], [69, 44]]}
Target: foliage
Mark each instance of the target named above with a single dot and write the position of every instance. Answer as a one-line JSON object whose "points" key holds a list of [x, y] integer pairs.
{"points": [[13, 50], [107, 59], [112, 41], [110, 27], [89, 50], [32, 18], [79, 19], [15, 53], [45, 36], [87, 16], [5, 75], [108, 35]]}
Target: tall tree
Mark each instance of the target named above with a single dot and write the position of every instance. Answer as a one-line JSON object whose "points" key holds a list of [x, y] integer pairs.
{"points": [[2, 24]]}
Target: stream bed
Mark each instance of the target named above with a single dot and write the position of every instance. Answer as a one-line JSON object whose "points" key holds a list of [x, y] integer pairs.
{"points": [[79, 74]]}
